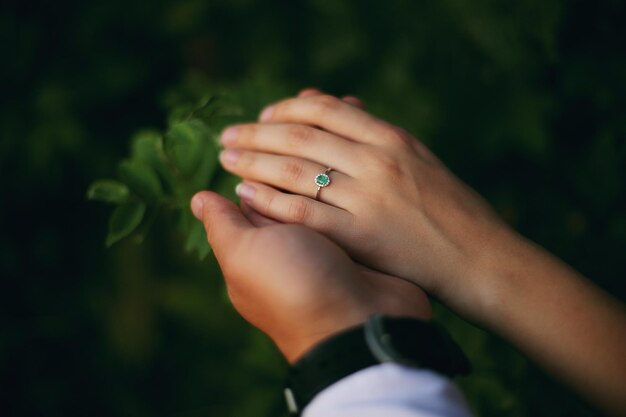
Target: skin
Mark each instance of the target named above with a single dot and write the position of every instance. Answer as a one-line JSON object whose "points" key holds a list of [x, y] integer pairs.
{"points": [[393, 206], [294, 284]]}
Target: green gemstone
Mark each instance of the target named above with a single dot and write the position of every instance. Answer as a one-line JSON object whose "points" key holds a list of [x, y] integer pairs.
{"points": [[322, 180]]}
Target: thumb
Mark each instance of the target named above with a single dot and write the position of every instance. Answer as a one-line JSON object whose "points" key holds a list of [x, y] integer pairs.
{"points": [[224, 223]]}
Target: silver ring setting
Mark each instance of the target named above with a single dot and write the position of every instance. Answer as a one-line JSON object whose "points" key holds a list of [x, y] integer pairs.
{"points": [[322, 180]]}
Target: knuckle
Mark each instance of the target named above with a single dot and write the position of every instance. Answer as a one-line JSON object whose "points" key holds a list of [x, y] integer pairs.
{"points": [[268, 204], [399, 137], [387, 165], [299, 135], [299, 211], [293, 170], [246, 160], [325, 104]]}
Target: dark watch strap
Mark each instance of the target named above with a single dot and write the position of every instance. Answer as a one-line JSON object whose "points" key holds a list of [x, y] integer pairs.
{"points": [[382, 339]]}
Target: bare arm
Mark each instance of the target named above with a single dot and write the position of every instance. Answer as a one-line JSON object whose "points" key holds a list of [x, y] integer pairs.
{"points": [[559, 319]]}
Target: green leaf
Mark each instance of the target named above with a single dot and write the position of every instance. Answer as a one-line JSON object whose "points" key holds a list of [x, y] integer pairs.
{"points": [[179, 115], [108, 191], [207, 169], [225, 184], [219, 123], [206, 105], [197, 241], [184, 143], [146, 145], [141, 179], [149, 217], [124, 220]]}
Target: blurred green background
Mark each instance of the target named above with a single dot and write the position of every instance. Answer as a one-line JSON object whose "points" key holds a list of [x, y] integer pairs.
{"points": [[524, 100]]}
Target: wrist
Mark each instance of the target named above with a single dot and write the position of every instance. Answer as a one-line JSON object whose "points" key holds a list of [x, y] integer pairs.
{"points": [[485, 287], [293, 348], [404, 340]]}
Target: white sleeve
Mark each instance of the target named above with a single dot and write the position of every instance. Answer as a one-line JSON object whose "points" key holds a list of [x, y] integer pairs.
{"points": [[390, 390]]}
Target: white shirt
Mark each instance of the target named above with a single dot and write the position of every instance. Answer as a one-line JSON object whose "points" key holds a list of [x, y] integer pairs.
{"points": [[390, 390]]}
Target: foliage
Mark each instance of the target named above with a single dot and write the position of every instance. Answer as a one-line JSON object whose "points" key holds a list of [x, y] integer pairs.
{"points": [[523, 100], [163, 172]]}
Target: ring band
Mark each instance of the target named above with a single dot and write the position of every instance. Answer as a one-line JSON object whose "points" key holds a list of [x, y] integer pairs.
{"points": [[322, 180]]}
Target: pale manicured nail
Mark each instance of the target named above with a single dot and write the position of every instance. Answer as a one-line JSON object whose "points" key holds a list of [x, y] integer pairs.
{"points": [[245, 191], [230, 156], [229, 136], [266, 114], [197, 206]]}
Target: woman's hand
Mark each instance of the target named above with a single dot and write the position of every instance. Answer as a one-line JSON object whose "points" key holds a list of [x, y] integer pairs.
{"points": [[391, 203], [293, 283]]}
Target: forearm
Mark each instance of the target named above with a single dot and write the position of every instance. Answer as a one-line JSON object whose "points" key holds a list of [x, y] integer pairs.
{"points": [[560, 320]]}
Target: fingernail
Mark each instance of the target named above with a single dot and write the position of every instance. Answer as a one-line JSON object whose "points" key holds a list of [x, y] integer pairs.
{"points": [[197, 206], [229, 136], [245, 191], [230, 156], [266, 114]]}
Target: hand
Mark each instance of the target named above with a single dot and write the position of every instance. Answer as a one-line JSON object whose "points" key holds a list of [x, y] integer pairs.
{"points": [[391, 203], [293, 283], [394, 206]]}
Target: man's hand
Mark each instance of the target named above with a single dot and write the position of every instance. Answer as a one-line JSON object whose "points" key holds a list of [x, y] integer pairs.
{"points": [[294, 284]]}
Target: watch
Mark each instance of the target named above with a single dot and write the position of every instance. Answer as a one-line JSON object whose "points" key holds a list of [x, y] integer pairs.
{"points": [[403, 340]]}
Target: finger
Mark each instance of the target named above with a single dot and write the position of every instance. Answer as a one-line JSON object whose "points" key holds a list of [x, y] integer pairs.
{"points": [[224, 223], [295, 140], [255, 217], [290, 208], [307, 92], [355, 101], [292, 174], [331, 114]]}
